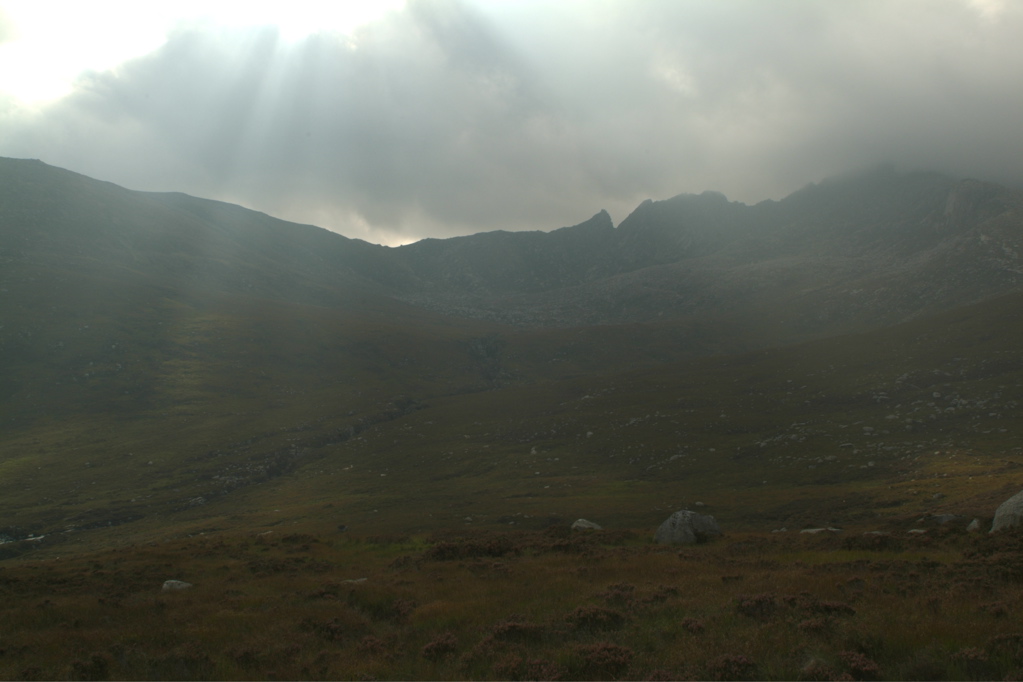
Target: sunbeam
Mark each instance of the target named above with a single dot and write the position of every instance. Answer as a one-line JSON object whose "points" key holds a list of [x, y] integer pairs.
{"points": [[41, 59]]}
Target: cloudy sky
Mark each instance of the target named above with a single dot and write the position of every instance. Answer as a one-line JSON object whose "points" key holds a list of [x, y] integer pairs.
{"points": [[394, 121]]}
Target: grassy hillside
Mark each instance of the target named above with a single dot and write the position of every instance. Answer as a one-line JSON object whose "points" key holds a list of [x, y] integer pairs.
{"points": [[279, 604], [458, 425], [191, 392], [427, 538], [147, 399]]}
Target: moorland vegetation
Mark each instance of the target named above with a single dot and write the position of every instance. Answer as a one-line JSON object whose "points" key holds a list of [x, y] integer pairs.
{"points": [[365, 471]]}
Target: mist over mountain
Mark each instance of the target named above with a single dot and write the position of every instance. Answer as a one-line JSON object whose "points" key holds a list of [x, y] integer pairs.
{"points": [[848, 253], [126, 309]]}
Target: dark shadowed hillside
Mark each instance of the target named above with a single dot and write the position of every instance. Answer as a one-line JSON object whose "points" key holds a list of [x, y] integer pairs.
{"points": [[365, 462], [195, 351], [848, 254]]}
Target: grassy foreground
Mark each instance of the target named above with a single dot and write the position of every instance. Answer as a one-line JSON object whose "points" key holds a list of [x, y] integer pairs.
{"points": [[545, 604]]}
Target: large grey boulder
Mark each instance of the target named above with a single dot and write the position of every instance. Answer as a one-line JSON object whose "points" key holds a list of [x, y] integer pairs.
{"points": [[1009, 513], [687, 528]]}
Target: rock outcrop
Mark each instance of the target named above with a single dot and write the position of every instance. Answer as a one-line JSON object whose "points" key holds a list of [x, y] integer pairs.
{"points": [[583, 524], [687, 528], [1009, 513]]}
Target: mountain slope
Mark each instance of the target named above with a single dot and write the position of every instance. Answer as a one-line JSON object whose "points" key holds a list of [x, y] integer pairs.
{"points": [[863, 430], [846, 255], [194, 245], [169, 363]]}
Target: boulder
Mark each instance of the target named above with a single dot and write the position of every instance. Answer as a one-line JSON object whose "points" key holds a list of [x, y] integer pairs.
{"points": [[974, 526], [175, 585], [687, 528], [583, 524], [1009, 513]]}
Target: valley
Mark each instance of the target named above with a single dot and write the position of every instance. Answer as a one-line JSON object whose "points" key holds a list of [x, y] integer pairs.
{"points": [[190, 390]]}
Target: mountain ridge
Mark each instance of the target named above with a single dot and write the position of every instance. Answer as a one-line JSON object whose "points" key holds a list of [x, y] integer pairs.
{"points": [[351, 485], [196, 353], [874, 232], [819, 259]]}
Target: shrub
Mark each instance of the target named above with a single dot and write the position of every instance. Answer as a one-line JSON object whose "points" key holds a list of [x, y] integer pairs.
{"points": [[809, 603], [834, 607], [443, 646], [572, 545], [540, 669], [760, 606], [472, 549], [816, 669], [377, 602], [732, 667], [596, 618], [928, 663], [693, 625], [620, 593], [402, 562], [998, 609], [1009, 645], [96, 668], [973, 662], [508, 667], [874, 542], [332, 630], [514, 667], [604, 658], [867, 641], [662, 594], [859, 666], [245, 656], [187, 662], [518, 631], [403, 608], [815, 626], [484, 653], [372, 645]]}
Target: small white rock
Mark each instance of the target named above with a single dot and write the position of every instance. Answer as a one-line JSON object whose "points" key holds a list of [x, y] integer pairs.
{"points": [[175, 585]]}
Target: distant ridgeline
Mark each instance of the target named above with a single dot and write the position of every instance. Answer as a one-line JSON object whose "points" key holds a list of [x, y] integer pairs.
{"points": [[847, 254], [159, 353]]}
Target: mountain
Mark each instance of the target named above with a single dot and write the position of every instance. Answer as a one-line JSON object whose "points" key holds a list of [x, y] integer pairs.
{"points": [[364, 462], [169, 364], [848, 254]]}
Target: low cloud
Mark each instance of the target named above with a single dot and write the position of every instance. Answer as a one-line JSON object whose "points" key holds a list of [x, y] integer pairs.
{"points": [[449, 118]]}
